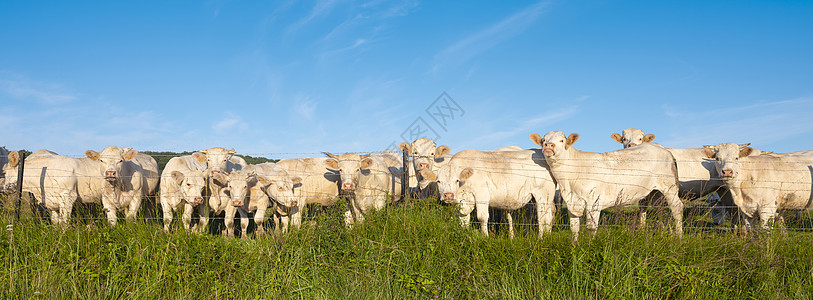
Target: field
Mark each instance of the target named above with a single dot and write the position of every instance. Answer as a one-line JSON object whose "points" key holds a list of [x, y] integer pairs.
{"points": [[415, 250]]}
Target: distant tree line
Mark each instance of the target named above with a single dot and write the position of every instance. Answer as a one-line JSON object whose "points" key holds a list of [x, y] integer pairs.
{"points": [[163, 157]]}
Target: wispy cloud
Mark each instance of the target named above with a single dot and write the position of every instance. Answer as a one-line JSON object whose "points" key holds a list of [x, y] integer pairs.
{"points": [[321, 8], [230, 123], [480, 41], [20, 88], [761, 123], [521, 127]]}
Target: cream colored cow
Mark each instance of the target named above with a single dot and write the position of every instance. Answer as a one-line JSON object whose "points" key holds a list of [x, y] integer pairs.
{"points": [[762, 185], [128, 180], [56, 181], [219, 162], [183, 186], [253, 189], [590, 182], [318, 185], [425, 155], [505, 179], [371, 181]]}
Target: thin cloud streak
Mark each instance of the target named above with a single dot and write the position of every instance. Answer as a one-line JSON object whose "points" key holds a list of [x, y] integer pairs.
{"points": [[480, 41]]}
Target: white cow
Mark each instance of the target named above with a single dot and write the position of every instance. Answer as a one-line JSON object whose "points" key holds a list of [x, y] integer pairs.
{"points": [[219, 162], [183, 185], [425, 155], [501, 179], [252, 189], [318, 185], [762, 185], [128, 179], [56, 181], [696, 174], [595, 181], [370, 180]]}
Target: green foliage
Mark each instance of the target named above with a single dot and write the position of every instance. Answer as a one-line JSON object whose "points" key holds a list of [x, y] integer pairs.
{"points": [[414, 250], [162, 158]]}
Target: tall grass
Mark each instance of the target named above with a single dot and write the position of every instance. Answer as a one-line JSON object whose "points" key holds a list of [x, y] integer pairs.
{"points": [[415, 250]]}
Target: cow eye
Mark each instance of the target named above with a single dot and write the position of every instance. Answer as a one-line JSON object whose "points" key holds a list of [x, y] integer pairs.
{"points": [[189, 184]]}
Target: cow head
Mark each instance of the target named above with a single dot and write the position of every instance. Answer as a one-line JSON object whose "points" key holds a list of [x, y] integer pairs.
{"points": [[350, 166], [216, 161], [727, 158], [239, 183], [11, 170], [191, 186], [111, 159], [424, 153], [450, 183], [280, 187], [632, 137], [554, 144]]}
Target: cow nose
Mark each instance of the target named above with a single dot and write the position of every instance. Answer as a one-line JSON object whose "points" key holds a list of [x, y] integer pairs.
{"points": [[197, 200], [237, 202], [632, 145], [294, 203], [423, 166], [448, 197], [728, 173], [110, 173], [348, 186]]}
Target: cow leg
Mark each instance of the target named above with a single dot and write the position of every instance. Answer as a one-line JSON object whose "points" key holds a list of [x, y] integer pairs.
{"points": [[167, 216], [545, 211], [228, 220], [135, 205], [203, 211], [54, 216], [676, 205], [510, 224], [575, 224], [243, 222], [642, 207], [593, 215], [111, 215], [482, 215], [259, 219], [767, 213]]}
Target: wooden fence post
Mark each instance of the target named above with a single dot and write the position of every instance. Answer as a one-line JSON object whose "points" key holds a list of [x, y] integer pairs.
{"points": [[20, 175], [405, 179]]}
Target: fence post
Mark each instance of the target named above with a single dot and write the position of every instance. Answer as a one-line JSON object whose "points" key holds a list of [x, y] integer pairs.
{"points": [[21, 167], [405, 178]]}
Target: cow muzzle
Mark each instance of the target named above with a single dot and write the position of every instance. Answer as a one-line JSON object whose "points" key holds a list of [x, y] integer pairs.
{"points": [[110, 175], [348, 186], [448, 197], [197, 201], [237, 202], [727, 173], [423, 166], [548, 149]]}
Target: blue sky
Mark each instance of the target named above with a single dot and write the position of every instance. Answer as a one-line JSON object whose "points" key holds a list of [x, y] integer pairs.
{"points": [[270, 77]]}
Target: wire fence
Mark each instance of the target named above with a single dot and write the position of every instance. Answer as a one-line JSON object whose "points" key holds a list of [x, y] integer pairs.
{"points": [[785, 175]]}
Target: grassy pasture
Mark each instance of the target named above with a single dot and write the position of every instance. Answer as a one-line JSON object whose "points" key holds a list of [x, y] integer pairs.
{"points": [[415, 250]]}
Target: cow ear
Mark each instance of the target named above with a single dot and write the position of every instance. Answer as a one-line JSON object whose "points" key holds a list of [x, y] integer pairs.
{"points": [[746, 151], [296, 179], [708, 151], [177, 176], [129, 154], [13, 158], [220, 179], [616, 137], [466, 174], [428, 174], [404, 146], [333, 156], [200, 156], [332, 163], [92, 154], [537, 139], [231, 151], [572, 139], [648, 138], [264, 181], [742, 146], [366, 163], [442, 150]]}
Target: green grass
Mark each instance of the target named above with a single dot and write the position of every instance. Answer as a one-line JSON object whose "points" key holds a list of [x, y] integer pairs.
{"points": [[412, 251]]}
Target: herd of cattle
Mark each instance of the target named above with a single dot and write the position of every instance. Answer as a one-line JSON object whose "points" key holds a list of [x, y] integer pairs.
{"points": [[759, 184]]}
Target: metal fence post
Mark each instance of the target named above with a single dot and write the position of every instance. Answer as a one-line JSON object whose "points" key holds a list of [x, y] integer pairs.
{"points": [[21, 167], [405, 179]]}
